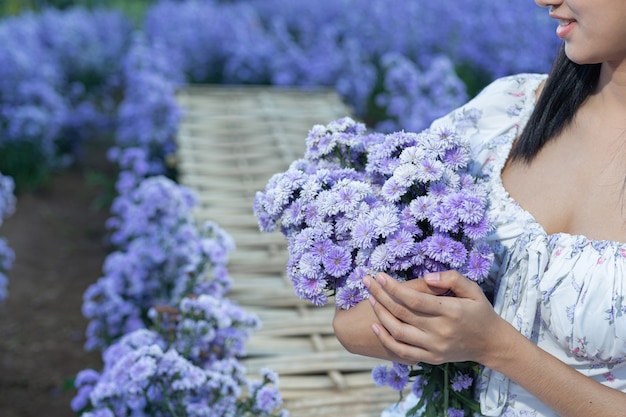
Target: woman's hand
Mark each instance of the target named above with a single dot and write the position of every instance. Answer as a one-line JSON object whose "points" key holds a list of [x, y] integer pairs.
{"points": [[418, 326], [353, 327]]}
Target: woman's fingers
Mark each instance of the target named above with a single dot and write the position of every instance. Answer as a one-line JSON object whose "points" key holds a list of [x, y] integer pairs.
{"points": [[436, 329], [401, 300], [454, 282], [399, 338]]}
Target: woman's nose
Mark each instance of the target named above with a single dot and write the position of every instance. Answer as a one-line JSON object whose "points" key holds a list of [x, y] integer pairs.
{"points": [[548, 3]]}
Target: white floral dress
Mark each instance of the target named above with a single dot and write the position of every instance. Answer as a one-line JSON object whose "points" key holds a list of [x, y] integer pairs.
{"points": [[564, 292]]}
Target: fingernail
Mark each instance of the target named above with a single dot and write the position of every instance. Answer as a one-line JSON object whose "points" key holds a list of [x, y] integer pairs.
{"points": [[432, 277], [375, 329], [366, 281], [372, 300], [381, 279]]}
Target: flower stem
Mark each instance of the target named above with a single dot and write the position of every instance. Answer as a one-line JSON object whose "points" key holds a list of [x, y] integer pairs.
{"points": [[446, 389]]}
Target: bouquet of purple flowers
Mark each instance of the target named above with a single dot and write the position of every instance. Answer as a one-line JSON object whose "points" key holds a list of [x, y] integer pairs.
{"points": [[358, 203], [403, 203]]}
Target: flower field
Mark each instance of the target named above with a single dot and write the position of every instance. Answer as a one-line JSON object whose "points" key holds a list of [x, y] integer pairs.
{"points": [[160, 335]]}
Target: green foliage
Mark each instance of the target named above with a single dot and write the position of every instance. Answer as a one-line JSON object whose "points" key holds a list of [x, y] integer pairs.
{"points": [[26, 162], [106, 186], [135, 9], [474, 79]]}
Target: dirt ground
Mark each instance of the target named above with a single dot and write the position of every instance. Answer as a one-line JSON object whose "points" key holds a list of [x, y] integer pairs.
{"points": [[58, 240]]}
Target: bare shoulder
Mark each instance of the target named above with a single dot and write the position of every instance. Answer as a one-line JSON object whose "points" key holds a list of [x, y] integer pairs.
{"points": [[539, 90]]}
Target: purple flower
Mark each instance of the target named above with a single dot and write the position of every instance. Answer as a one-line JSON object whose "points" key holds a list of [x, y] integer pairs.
{"points": [[143, 369], [461, 381], [477, 230], [337, 261], [421, 207], [417, 387], [444, 249], [443, 218], [479, 263], [400, 243], [381, 375], [348, 297], [363, 233], [309, 264], [398, 376], [321, 248], [267, 399], [380, 258], [471, 210], [455, 412], [385, 221], [457, 157], [309, 286], [429, 170], [269, 376], [392, 191]]}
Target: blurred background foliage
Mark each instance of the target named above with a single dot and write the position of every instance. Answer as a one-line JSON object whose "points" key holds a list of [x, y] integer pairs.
{"points": [[135, 9], [77, 71]]}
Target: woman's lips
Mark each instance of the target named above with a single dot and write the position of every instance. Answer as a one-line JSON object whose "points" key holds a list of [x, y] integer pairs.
{"points": [[565, 27]]}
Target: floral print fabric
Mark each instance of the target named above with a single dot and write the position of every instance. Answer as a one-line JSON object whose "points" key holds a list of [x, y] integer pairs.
{"points": [[564, 292]]}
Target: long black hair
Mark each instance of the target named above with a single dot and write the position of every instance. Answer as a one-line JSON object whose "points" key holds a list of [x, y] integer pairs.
{"points": [[567, 87]]}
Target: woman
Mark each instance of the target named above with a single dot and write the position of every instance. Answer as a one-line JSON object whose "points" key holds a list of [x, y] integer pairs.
{"points": [[554, 153]]}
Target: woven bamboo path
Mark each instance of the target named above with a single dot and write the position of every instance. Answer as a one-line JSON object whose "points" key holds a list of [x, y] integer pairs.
{"points": [[231, 140]]}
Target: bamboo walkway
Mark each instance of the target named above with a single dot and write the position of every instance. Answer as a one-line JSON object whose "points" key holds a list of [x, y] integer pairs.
{"points": [[232, 139]]}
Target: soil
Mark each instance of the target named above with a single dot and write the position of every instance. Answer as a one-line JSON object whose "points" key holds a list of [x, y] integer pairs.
{"points": [[58, 238]]}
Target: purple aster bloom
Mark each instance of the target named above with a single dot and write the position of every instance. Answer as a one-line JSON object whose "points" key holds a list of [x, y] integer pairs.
{"points": [[461, 381], [142, 370], [348, 196], [320, 248], [422, 206], [318, 299], [479, 263], [380, 375], [348, 297], [471, 210], [457, 157], [380, 258], [405, 174], [302, 240], [86, 377], [400, 243], [478, 230], [310, 265], [455, 412], [412, 155], [356, 276], [326, 203], [309, 287], [445, 250], [363, 233], [392, 191], [293, 214], [337, 261], [444, 218], [438, 190], [319, 143], [409, 223], [429, 170], [312, 216], [267, 399], [398, 376], [269, 376], [386, 220], [417, 387]]}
